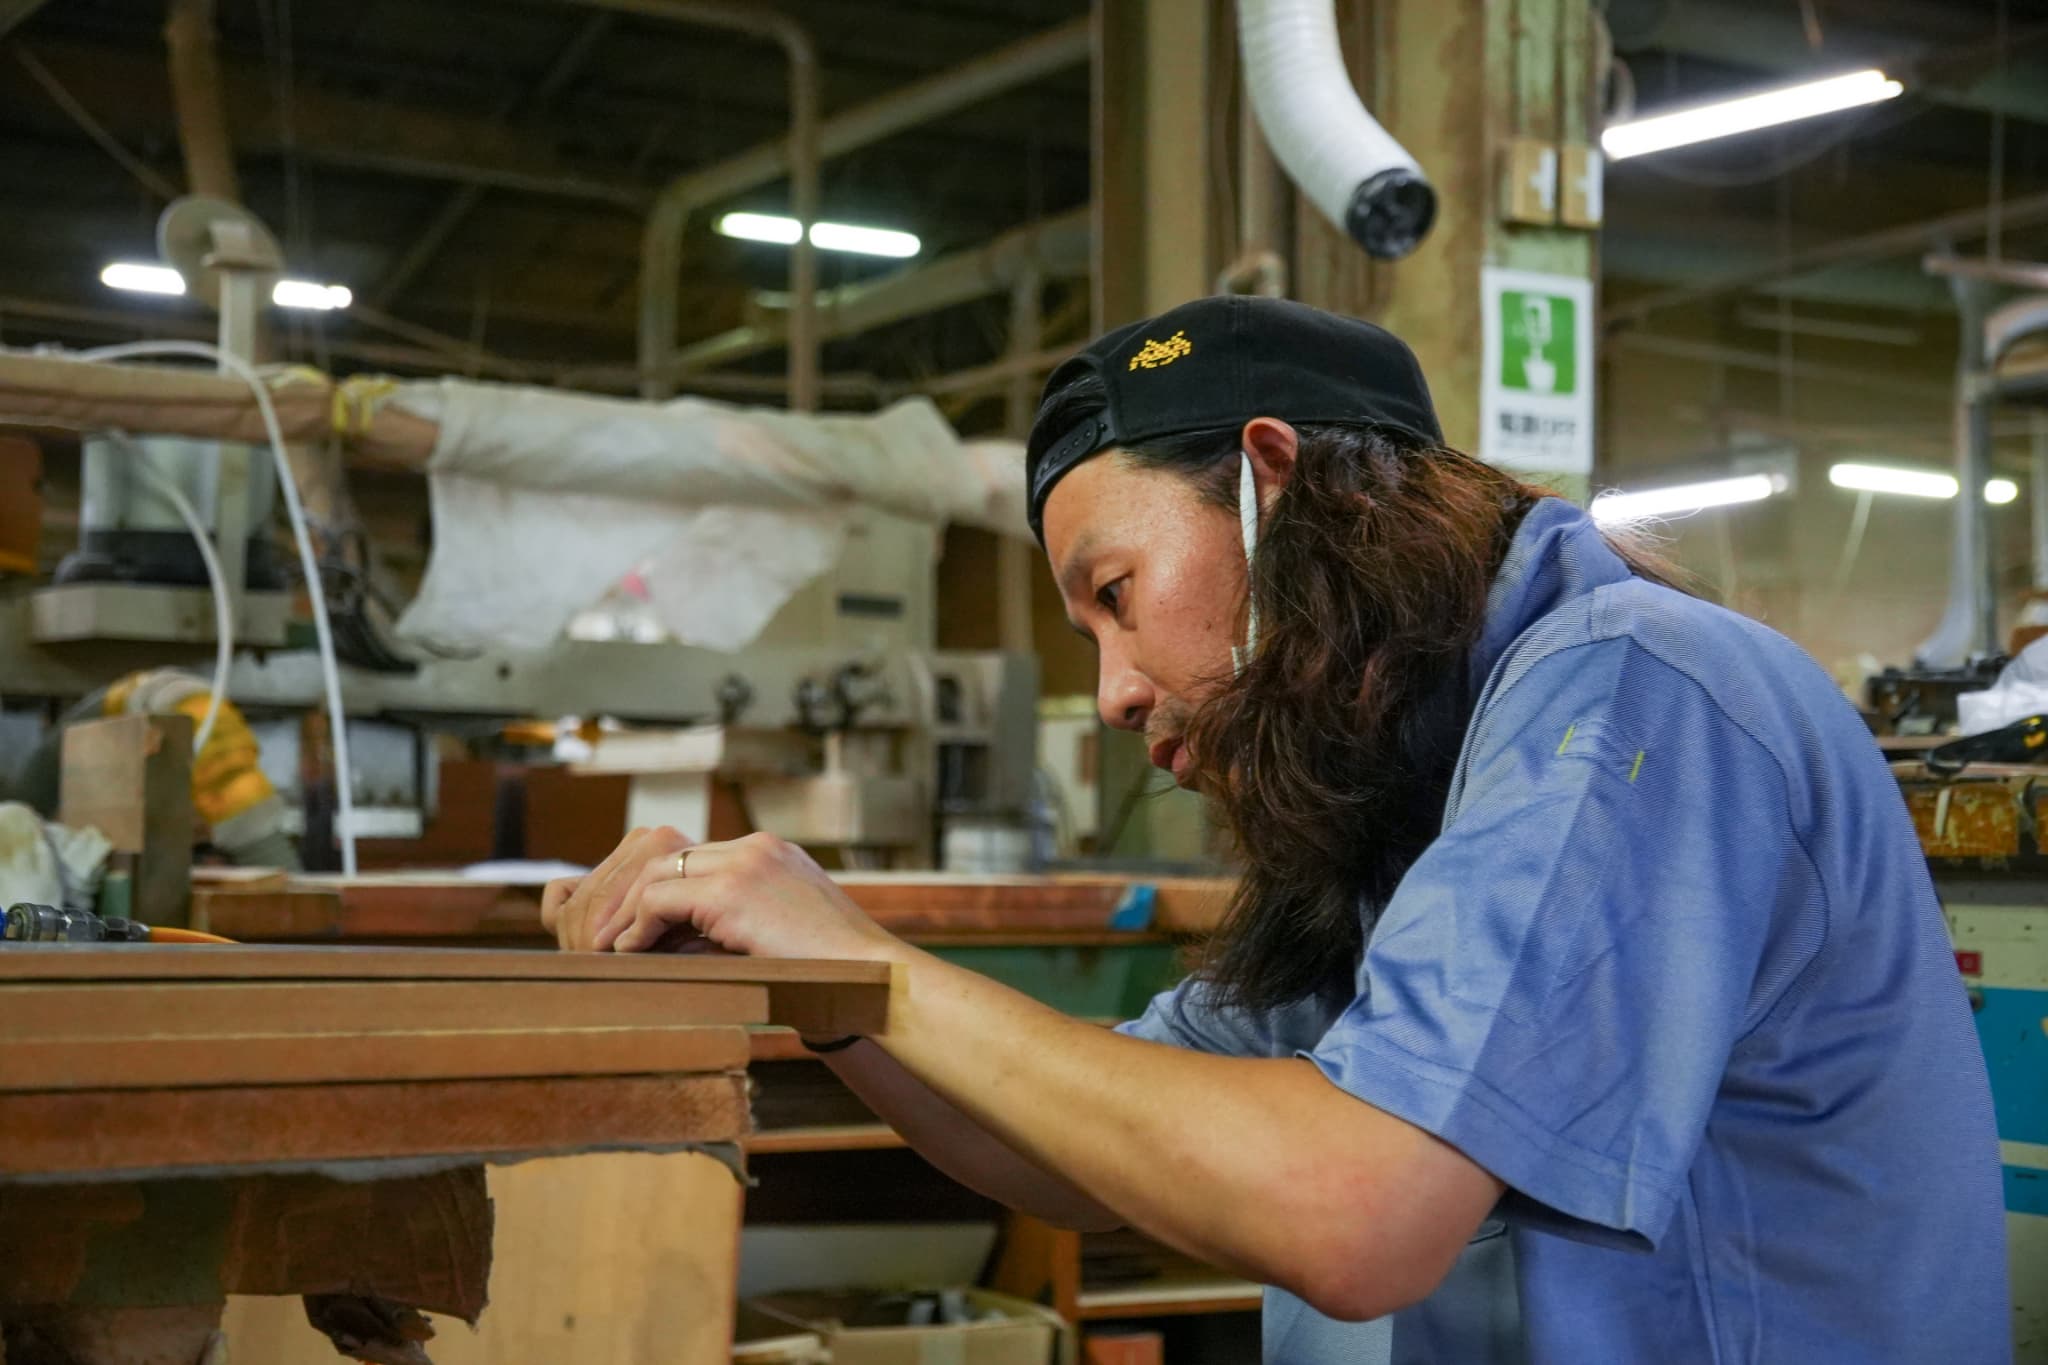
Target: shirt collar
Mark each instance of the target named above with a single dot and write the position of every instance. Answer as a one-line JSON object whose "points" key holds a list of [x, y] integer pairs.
{"points": [[1557, 554]]}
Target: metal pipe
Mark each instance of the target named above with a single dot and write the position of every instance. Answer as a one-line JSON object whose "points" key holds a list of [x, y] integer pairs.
{"points": [[1969, 623], [2018, 274], [664, 274], [1014, 556], [195, 92], [2037, 435], [661, 245]]}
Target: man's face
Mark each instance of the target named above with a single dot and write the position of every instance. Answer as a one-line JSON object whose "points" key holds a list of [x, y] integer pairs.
{"points": [[1154, 576]]}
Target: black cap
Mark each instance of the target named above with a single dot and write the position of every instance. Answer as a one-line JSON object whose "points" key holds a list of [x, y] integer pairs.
{"points": [[1217, 363]]}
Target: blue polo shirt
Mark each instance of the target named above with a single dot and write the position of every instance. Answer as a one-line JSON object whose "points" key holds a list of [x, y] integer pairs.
{"points": [[1674, 971]]}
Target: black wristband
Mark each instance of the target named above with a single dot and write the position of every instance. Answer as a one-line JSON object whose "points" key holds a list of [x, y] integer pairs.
{"points": [[836, 1045]]}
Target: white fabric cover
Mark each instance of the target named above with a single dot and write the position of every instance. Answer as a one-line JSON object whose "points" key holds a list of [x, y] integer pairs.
{"points": [[542, 500]]}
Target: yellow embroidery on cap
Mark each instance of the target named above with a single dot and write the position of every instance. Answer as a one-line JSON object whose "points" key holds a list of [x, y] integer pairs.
{"points": [[1154, 354]]}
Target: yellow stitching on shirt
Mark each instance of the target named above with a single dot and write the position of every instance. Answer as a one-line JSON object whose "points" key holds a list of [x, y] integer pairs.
{"points": [[1638, 767], [1567, 743]]}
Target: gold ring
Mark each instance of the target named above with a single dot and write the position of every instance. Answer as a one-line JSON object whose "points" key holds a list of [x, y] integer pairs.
{"points": [[682, 861]]}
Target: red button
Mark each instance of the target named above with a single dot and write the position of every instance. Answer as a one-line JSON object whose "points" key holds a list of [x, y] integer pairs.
{"points": [[1970, 964]]}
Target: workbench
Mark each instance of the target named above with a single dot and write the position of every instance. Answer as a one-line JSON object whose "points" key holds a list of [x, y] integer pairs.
{"points": [[1094, 945], [188, 1123]]}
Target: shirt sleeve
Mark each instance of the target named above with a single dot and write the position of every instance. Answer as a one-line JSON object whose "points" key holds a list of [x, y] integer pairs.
{"points": [[1185, 1016], [1556, 986]]}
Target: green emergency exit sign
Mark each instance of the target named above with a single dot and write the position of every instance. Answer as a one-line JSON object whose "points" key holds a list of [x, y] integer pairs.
{"points": [[1539, 342]]}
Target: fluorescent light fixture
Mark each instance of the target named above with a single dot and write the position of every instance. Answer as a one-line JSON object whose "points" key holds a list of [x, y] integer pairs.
{"points": [[306, 294], [1685, 497], [1878, 478], [142, 279], [761, 227], [863, 241], [1999, 492], [162, 279], [1682, 127]]}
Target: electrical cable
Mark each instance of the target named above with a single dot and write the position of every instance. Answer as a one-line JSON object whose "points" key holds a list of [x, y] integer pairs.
{"points": [[323, 629], [223, 614]]}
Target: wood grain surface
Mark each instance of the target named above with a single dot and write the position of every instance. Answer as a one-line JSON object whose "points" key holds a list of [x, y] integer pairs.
{"points": [[279, 1126], [279, 1059]]}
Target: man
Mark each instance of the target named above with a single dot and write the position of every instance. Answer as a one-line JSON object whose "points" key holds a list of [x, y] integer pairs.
{"points": [[1580, 922]]}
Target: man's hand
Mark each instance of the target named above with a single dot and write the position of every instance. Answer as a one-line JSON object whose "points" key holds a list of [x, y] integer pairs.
{"points": [[574, 908], [760, 895]]}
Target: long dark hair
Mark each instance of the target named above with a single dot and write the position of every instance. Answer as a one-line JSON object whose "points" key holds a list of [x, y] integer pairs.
{"points": [[1330, 756]]}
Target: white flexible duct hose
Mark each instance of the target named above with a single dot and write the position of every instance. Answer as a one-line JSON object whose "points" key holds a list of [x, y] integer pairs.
{"points": [[1361, 179]]}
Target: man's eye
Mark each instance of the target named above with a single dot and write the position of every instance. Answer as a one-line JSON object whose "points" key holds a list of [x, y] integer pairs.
{"points": [[1110, 595]]}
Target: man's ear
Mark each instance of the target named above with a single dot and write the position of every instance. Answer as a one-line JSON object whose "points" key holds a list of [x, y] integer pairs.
{"points": [[1272, 446]]}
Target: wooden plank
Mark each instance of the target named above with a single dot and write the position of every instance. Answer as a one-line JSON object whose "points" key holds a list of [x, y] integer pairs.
{"points": [[209, 962], [427, 905], [269, 1127], [843, 997], [423, 1241], [838, 1137], [419, 1240], [606, 1259], [130, 777], [148, 1063], [123, 1010]]}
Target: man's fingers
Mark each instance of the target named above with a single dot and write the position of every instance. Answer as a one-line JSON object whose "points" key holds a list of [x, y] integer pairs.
{"points": [[658, 909], [553, 897]]}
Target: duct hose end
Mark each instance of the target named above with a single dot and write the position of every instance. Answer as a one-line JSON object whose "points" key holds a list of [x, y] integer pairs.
{"points": [[1391, 212]]}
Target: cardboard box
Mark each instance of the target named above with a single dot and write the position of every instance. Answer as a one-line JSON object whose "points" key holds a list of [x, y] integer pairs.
{"points": [[1023, 1334], [761, 1339]]}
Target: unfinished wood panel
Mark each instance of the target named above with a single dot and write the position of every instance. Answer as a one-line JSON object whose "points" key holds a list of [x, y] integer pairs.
{"points": [[849, 997], [143, 1009], [601, 1260], [130, 1336], [149, 1063], [73, 1132], [911, 905], [423, 1241], [576, 817], [208, 962], [130, 778]]}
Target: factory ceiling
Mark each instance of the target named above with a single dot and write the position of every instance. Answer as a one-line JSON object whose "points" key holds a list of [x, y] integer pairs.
{"points": [[479, 171]]}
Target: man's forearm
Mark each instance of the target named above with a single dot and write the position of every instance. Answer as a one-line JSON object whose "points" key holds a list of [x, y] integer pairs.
{"points": [[1140, 1127], [959, 1146]]}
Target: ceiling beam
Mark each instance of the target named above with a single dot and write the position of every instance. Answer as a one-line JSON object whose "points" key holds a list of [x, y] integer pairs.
{"points": [[13, 12], [129, 90], [1903, 240], [456, 208]]}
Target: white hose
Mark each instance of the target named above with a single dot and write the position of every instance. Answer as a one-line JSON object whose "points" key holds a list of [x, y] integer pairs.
{"points": [[1350, 167], [216, 577], [323, 631]]}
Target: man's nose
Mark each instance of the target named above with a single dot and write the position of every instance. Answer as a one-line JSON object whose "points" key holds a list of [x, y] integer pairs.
{"points": [[1123, 696]]}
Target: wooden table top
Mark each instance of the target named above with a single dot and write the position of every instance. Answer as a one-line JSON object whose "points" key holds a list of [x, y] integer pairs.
{"points": [[174, 1058]]}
